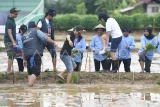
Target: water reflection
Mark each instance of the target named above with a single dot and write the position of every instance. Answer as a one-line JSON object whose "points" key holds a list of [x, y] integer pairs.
{"points": [[62, 97]]}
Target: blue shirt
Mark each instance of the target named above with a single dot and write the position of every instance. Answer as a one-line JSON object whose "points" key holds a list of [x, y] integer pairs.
{"points": [[124, 53], [81, 46], [97, 45], [144, 42], [158, 50], [19, 43]]}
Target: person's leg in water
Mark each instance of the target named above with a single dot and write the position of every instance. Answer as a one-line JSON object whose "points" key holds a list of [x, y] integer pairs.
{"points": [[34, 68], [114, 46], [70, 66], [78, 67], [20, 64], [97, 65], [141, 61], [127, 63], [11, 56], [147, 65], [51, 48]]}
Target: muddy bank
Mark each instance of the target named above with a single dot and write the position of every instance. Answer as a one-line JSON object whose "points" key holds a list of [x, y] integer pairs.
{"points": [[85, 78]]}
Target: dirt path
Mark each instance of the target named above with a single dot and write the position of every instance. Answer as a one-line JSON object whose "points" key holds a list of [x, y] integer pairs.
{"points": [[86, 78]]}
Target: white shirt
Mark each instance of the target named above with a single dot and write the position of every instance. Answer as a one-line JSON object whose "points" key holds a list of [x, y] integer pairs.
{"points": [[113, 27], [40, 23]]}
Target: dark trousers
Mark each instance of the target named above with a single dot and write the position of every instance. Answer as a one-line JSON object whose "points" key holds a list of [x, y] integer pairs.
{"points": [[97, 64], [20, 64], [127, 63], [142, 57], [108, 64], [147, 65], [78, 65]]}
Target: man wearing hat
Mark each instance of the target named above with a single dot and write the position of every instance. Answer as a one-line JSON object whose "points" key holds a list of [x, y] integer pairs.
{"points": [[96, 46], [46, 25], [66, 52], [113, 29], [126, 46], [10, 37], [33, 41]]}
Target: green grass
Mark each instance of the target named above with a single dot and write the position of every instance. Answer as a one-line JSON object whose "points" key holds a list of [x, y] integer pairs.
{"points": [[158, 81], [75, 78], [1, 76], [60, 81]]}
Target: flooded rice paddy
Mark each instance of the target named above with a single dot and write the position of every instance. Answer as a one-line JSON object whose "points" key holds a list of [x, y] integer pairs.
{"points": [[79, 96]]}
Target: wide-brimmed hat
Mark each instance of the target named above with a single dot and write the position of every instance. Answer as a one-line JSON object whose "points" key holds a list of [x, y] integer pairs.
{"points": [[70, 30], [100, 26]]}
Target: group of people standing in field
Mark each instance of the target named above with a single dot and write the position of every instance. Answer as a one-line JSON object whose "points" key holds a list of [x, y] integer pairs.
{"points": [[109, 49]]}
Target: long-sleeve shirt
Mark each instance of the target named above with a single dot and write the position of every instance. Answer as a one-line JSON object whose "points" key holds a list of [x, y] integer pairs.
{"points": [[123, 52], [144, 42], [158, 50], [97, 45], [81, 46], [19, 43]]}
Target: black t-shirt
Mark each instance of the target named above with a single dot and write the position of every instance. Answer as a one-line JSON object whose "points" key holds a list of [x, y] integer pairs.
{"points": [[10, 24], [67, 49]]}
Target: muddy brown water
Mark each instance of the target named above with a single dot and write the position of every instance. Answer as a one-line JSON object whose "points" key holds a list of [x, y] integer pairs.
{"points": [[79, 96]]}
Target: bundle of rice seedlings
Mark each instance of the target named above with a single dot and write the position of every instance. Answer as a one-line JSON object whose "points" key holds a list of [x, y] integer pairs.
{"points": [[149, 47], [108, 54], [75, 51]]}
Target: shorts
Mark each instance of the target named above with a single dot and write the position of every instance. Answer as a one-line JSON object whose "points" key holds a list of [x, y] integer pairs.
{"points": [[50, 47], [69, 62], [10, 51], [34, 65], [115, 43]]}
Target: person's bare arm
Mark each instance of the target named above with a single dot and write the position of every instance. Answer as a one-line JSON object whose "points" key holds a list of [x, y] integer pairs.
{"points": [[69, 40], [11, 37], [48, 35], [50, 41]]}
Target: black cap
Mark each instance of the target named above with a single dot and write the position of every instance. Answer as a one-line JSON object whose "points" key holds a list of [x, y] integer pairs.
{"points": [[78, 28], [101, 15], [23, 28], [126, 29], [51, 12], [14, 10], [149, 29], [32, 24]]}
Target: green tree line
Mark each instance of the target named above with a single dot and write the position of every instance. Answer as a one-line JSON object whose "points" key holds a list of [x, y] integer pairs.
{"points": [[135, 22], [88, 6]]}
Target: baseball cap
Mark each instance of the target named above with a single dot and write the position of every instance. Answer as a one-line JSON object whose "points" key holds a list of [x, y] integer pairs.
{"points": [[14, 10], [32, 24], [51, 12], [23, 28]]}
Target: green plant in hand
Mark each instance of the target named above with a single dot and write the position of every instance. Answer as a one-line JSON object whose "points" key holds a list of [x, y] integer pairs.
{"points": [[108, 54], [75, 51], [149, 47]]}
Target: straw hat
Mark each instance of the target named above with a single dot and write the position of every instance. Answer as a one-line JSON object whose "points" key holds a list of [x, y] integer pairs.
{"points": [[70, 30], [100, 26]]}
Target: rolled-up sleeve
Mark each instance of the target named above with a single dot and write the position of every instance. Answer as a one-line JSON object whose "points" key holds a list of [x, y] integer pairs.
{"points": [[41, 36]]}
